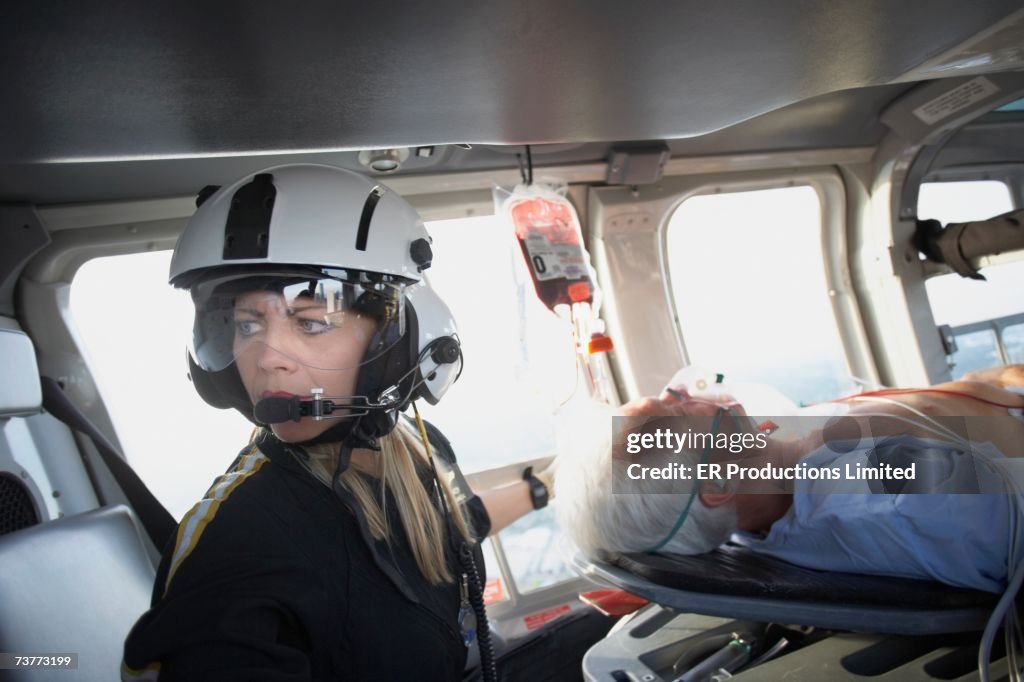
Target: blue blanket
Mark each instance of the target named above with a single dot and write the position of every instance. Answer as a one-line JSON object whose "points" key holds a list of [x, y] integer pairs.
{"points": [[951, 523]]}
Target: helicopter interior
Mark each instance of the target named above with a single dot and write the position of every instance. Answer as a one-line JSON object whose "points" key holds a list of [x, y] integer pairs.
{"points": [[648, 118]]}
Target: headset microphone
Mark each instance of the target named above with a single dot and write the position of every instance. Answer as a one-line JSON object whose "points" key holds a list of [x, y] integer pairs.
{"points": [[277, 409]]}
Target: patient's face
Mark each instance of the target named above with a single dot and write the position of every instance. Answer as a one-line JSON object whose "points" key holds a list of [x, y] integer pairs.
{"points": [[702, 405], [679, 403]]}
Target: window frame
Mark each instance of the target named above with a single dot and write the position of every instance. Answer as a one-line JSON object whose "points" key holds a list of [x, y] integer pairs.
{"points": [[997, 325], [1012, 176]]}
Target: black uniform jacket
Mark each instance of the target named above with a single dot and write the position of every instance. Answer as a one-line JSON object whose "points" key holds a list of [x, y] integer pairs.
{"points": [[273, 577]]}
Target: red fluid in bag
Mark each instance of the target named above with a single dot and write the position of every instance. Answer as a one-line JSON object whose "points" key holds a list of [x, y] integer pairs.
{"points": [[550, 239]]}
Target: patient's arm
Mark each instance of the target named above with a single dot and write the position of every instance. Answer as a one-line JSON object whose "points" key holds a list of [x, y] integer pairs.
{"points": [[1003, 377]]}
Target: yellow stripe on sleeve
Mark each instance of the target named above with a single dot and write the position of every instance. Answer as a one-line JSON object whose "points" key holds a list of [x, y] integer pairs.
{"points": [[151, 673], [192, 526]]}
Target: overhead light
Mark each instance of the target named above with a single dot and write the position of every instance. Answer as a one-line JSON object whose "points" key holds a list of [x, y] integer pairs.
{"points": [[384, 160]]}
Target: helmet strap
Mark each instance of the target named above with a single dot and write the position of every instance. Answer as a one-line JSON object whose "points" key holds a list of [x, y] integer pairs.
{"points": [[390, 368], [349, 431], [344, 459]]}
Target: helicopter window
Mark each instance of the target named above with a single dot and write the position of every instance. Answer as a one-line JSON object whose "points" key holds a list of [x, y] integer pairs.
{"points": [[519, 357], [976, 350], [959, 202], [748, 280], [1013, 341], [520, 366], [134, 344]]}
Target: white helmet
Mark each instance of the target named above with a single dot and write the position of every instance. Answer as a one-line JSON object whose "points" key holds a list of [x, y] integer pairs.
{"points": [[343, 244]]}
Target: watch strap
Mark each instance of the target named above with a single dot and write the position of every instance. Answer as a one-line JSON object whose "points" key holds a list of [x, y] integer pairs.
{"points": [[539, 493]]}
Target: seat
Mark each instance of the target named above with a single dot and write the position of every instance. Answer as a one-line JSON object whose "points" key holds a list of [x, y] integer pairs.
{"points": [[20, 499], [74, 585]]}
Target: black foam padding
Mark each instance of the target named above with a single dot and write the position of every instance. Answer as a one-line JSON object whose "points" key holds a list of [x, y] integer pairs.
{"points": [[17, 510], [277, 410], [739, 572]]}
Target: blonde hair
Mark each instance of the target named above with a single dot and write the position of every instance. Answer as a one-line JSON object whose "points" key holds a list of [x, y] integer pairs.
{"points": [[402, 456]]}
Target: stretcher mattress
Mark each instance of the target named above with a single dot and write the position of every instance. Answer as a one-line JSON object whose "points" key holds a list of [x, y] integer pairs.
{"points": [[735, 582]]}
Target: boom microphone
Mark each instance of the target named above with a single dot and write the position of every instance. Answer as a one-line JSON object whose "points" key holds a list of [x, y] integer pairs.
{"points": [[276, 410]]}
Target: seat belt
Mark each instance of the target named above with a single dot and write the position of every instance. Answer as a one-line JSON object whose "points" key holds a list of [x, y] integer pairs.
{"points": [[156, 520]]}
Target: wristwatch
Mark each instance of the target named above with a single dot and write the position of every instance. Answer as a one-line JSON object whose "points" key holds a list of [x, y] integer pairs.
{"points": [[538, 491]]}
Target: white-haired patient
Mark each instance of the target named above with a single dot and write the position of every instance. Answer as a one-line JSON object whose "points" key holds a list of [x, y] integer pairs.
{"points": [[953, 522]]}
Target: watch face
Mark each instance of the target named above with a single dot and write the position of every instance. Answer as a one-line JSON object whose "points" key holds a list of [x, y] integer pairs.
{"points": [[538, 493]]}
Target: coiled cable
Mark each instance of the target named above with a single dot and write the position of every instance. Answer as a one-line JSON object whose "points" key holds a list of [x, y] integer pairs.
{"points": [[476, 601]]}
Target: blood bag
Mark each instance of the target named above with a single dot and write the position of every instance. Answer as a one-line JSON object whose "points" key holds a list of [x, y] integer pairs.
{"points": [[551, 242], [550, 237]]}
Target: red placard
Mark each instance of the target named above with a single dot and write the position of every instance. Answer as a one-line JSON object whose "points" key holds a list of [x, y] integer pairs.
{"points": [[535, 620], [494, 591], [613, 602]]}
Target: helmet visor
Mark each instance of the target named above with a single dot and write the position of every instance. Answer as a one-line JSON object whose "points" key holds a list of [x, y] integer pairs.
{"points": [[312, 318]]}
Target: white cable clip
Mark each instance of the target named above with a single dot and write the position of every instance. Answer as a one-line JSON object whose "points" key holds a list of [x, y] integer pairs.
{"points": [[318, 403]]}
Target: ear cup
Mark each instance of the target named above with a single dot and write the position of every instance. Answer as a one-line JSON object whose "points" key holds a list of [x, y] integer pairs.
{"points": [[440, 365], [439, 358], [390, 368], [445, 350]]}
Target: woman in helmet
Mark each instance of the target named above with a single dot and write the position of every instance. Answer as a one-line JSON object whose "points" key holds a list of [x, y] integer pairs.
{"points": [[332, 548]]}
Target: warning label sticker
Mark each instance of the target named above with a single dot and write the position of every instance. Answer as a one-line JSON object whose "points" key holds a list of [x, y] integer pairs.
{"points": [[960, 97]]}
